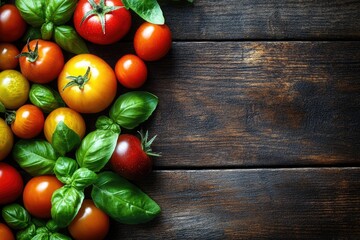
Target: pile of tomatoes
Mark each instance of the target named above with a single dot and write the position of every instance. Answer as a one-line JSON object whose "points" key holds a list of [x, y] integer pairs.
{"points": [[85, 83]]}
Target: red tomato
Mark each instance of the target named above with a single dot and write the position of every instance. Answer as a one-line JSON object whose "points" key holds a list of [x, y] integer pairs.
{"points": [[8, 53], [41, 61], [37, 195], [152, 42], [11, 183], [90, 223], [28, 122], [5, 232], [102, 22], [131, 71], [12, 25]]}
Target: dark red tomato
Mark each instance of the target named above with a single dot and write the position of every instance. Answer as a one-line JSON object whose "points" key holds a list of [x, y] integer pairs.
{"points": [[37, 195], [152, 42], [102, 22], [12, 25], [5, 232], [29, 121], [11, 183], [90, 223], [8, 53], [41, 61], [131, 71]]}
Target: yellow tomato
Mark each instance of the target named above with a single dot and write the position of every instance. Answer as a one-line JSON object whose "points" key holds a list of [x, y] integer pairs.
{"points": [[6, 139], [14, 89]]}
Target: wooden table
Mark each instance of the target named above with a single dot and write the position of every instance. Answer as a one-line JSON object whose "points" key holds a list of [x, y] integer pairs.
{"points": [[258, 121]]}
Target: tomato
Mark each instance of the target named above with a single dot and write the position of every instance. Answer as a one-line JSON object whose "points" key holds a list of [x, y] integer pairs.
{"points": [[6, 139], [28, 121], [8, 53], [87, 84], [131, 158], [37, 195], [90, 223], [41, 61], [152, 42], [11, 183], [12, 25], [131, 71], [102, 22], [5, 232], [14, 89]]}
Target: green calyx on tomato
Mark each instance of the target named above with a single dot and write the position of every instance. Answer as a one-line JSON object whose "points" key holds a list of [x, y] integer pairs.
{"points": [[80, 80], [31, 55]]}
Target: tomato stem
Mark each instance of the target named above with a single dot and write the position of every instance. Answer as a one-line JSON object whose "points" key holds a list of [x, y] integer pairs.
{"points": [[10, 117], [31, 55], [79, 81], [146, 144]]}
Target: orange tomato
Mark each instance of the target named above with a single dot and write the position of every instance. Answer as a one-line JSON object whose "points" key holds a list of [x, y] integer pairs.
{"points": [[5, 232]]}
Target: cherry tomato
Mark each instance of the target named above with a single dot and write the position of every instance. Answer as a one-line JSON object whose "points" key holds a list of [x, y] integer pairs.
{"points": [[28, 122], [152, 42], [87, 84], [90, 223], [14, 89], [131, 71], [11, 183], [6, 139], [102, 22], [71, 118], [41, 61], [37, 195], [12, 25], [5, 232], [8, 53]]}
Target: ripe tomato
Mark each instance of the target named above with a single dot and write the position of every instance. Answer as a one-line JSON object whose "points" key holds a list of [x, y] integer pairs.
{"points": [[151, 41], [5, 232], [71, 118], [131, 71], [6, 139], [11, 183], [41, 61], [12, 25], [102, 22], [37, 195], [87, 84], [90, 223], [28, 121], [14, 89], [8, 53]]}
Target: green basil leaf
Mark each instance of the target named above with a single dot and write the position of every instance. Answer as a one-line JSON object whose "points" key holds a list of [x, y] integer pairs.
{"points": [[47, 30], [31, 34], [26, 234], [59, 11], [45, 97], [106, 123], [42, 230], [96, 149], [66, 202], [2, 107], [133, 108], [83, 178], [59, 236], [16, 216], [122, 200], [41, 236], [67, 38], [64, 169], [64, 139], [36, 157], [32, 11], [149, 10]]}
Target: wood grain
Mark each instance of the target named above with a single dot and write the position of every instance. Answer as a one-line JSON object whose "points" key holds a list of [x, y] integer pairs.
{"points": [[306, 203]]}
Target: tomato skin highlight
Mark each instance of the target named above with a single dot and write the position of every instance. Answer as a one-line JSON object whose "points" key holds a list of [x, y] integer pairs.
{"points": [[12, 25], [8, 53], [29, 121], [6, 140], [37, 195], [5, 232], [131, 71], [11, 183]]}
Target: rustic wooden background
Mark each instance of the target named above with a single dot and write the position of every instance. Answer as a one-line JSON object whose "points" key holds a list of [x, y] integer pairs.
{"points": [[258, 121]]}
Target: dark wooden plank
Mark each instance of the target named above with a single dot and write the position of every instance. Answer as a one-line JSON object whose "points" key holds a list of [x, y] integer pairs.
{"points": [[304, 203]]}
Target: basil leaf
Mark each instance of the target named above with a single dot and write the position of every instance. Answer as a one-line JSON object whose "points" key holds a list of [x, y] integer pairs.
{"points": [[41, 236], [64, 139], [36, 157], [45, 97], [96, 149], [47, 30], [83, 178], [2, 107], [32, 11], [106, 123], [64, 169], [149, 10], [133, 108], [26, 234], [16, 216], [67, 38], [66, 202], [59, 11], [59, 236], [122, 200]]}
